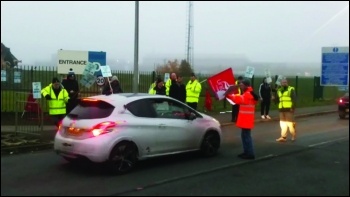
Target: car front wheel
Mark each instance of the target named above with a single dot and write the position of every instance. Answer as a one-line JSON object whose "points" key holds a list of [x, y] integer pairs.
{"points": [[210, 144]]}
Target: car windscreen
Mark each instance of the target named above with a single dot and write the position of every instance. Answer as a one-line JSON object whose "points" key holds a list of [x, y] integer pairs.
{"points": [[91, 109]]}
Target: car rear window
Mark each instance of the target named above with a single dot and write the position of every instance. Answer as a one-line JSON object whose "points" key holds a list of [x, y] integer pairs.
{"points": [[91, 109]]}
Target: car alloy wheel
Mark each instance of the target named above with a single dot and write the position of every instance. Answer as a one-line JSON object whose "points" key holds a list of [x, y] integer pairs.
{"points": [[210, 144], [342, 115], [123, 157]]}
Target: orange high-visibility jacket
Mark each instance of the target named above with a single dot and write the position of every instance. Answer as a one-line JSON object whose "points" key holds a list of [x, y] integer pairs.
{"points": [[246, 114]]}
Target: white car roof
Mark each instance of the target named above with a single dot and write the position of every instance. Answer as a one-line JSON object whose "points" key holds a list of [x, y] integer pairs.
{"points": [[123, 98]]}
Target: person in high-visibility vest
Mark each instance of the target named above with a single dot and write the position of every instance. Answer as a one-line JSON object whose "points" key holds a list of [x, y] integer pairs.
{"points": [[169, 82], [153, 85], [193, 90], [286, 97], [235, 108], [246, 116], [57, 97], [159, 89], [151, 88]]}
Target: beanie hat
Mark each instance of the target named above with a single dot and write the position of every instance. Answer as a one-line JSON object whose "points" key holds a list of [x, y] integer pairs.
{"points": [[55, 79], [70, 73], [114, 78]]}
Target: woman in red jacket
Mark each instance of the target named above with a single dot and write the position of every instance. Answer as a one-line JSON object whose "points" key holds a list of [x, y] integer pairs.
{"points": [[246, 116]]}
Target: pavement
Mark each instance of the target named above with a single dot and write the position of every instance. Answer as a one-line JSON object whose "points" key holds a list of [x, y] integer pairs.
{"points": [[30, 143], [225, 118]]}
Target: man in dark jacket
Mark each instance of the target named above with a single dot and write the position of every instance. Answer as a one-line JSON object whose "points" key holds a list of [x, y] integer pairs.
{"points": [[72, 87], [178, 90]]}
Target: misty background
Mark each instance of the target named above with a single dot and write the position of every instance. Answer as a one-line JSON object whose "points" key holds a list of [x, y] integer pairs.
{"points": [[285, 37]]}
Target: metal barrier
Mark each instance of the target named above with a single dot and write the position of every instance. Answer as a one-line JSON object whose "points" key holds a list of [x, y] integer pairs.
{"points": [[28, 114]]}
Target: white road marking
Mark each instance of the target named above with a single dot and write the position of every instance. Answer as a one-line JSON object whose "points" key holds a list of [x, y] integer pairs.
{"points": [[326, 142]]}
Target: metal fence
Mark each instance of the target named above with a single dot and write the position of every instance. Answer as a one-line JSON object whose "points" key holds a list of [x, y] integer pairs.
{"points": [[28, 115], [20, 80], [31, 116]]}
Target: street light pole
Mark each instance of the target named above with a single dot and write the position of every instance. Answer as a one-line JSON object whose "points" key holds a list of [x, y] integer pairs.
{"points": [[136, 50]]}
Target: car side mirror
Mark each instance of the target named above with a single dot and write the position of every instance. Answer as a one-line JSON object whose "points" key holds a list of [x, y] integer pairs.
{"points": [[191, 116]]}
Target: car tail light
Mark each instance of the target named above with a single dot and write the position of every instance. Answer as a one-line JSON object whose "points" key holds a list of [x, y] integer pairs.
{"points": [[89, 100], [102, 128], [59, 126], [340, 100]]}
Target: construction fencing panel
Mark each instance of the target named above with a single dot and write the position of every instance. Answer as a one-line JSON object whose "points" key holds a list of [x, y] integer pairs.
{"points": [[29, 116]]}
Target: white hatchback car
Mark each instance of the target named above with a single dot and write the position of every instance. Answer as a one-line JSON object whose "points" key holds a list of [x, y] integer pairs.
{"points": [[121, 129]]}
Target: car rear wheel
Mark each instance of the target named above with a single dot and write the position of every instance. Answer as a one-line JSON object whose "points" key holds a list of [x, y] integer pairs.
{"points": [[210, 144], [342, 115], [123, 157]]}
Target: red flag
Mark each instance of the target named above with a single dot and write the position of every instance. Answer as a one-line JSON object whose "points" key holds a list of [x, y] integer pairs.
{"points": [[220, 82], [208, 100]]}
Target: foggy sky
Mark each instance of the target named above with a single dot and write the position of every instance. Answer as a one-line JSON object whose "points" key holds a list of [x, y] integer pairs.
{"points": [[260, 31]]}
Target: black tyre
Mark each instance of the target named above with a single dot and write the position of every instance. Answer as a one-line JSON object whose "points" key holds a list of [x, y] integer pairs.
{"points": [[123, 158], [342, 115], [210, 144]]}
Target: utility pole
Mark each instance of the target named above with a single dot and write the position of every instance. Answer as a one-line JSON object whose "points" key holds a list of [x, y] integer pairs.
{"points": [[189, 50], [136, 50]]}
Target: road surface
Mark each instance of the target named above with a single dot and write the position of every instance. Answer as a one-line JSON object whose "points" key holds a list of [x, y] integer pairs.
{"points": [[316, 164]]}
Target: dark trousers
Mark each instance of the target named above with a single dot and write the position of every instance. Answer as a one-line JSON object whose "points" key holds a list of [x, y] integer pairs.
{"points": [[57, 119], [235, 110], [193, 105], [265, 106], [72, 103], [247, 142]]}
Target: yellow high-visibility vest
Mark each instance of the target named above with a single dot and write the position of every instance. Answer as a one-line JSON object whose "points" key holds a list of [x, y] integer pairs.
{"points": [[151, 88], [193, 90], [167, 87], [285, 99], [56, 105]]}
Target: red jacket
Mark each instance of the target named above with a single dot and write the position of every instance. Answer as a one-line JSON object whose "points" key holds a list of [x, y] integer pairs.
{"points": [[246, 114]]}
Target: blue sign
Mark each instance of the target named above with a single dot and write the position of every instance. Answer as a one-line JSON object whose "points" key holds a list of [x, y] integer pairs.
{"points": [[99, 57], [335, 66]]}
